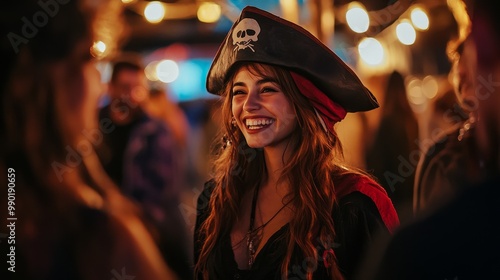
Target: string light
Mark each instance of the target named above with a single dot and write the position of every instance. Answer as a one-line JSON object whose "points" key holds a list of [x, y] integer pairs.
{"points": [[357, 17], [208, 12], [154, 12], [419, 18]]}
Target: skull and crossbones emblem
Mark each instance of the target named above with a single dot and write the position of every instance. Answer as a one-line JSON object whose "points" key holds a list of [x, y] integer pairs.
{"points": [[245, 33]]}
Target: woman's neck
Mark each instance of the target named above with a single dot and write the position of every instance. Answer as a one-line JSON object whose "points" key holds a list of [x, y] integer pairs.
{"points": [[275, 160], [278, 155], [274, 163]]}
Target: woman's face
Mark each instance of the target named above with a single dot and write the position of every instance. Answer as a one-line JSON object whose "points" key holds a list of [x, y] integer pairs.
{"points": [[261, 110]]}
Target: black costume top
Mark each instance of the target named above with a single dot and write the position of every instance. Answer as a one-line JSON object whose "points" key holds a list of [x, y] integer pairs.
{"points": [[363, 212], [446, 169]]}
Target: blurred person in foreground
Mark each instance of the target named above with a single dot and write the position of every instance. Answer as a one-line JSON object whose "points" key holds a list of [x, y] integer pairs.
{"points": [[72, 222], [460, 240], [142, 156]]}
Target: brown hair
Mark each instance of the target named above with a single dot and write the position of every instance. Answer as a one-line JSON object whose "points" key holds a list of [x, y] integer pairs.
{"points": [[43, 81], [124, 62], [316, 160]]}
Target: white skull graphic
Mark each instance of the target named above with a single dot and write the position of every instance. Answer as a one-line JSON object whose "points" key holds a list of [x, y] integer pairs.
{"points": [[246, 32]]}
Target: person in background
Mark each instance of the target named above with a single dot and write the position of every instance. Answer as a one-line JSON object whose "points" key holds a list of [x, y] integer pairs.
{"points": [[71, 221], [160, 105], [459, 240], [452, 163], [388, 157], [282, 204], [140, 153]]}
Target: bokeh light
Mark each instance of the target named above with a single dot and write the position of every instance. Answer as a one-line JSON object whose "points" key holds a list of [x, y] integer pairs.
{"points": [[371, 51], [357, 17], [154, 12], [208, 12]]}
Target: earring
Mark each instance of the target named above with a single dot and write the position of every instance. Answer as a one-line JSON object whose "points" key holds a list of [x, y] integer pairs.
{"points": [[233, 121], [225, 141]]}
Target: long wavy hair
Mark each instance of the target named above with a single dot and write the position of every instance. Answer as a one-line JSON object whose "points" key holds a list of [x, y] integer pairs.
{"points": [[315, 161]]}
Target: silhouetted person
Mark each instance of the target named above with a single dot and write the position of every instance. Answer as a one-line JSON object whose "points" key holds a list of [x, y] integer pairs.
{"points": [[390, 157], [452, 163]]}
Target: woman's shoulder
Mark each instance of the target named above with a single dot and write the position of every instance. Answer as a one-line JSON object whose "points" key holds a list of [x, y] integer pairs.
{"points": [[206, 192], [360, 191], [203, 201], [350, 181]]}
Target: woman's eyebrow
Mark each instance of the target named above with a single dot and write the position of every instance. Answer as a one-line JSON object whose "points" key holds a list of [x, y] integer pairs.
{"points": [[259, 82], [266, 80], [238, 84]]}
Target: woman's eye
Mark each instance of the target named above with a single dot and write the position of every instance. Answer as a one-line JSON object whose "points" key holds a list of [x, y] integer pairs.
{"points": [[237, 92], [269, 89]]}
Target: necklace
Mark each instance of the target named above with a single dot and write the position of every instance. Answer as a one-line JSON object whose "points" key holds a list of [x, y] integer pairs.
{"points": [[466, 128], [254, 236]]}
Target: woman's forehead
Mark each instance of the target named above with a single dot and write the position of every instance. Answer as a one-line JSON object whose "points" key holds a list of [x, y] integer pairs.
{"points": [[256, 69]]}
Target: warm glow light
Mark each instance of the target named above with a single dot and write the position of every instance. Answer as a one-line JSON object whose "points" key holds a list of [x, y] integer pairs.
{"points": [[406, 33], [100, 46], [98, 49], [150, 71], [371, 51], [127, 1], [415, 95], [357, 17], [154, 12], [419, 19], [290, 10], [167, 71], [208, 12], [430, 87]]}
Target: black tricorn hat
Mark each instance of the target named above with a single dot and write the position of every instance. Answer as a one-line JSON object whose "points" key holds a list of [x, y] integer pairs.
{"points": [[259, 36]]}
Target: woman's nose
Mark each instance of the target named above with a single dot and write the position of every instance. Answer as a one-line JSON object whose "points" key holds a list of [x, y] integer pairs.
{"points": [[252, 102]]}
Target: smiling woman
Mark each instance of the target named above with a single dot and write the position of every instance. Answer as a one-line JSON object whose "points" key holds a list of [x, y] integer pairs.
{"points": [[282, 202]]}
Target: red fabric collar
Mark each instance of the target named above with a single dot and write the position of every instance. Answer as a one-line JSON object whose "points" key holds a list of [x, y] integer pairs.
{"points": [[352, 182], [329, 111]]}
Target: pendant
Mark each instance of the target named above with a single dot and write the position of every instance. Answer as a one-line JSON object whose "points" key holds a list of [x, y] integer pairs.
{"points": [[251, 249]]}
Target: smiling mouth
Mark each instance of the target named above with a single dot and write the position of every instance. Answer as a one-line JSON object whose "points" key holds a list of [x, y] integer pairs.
{"points": [[255, 124]]}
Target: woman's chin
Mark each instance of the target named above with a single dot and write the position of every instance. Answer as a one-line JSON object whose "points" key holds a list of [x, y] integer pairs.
{"points": [[256, 145]]}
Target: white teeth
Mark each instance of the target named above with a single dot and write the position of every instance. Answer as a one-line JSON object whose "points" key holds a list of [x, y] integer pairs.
{"points": [[258, 123], [255, 122]]}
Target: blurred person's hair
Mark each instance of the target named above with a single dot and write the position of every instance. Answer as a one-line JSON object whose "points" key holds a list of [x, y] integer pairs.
{"points": [[396, 100], [126, 61], [27, 78], [460, 12]]}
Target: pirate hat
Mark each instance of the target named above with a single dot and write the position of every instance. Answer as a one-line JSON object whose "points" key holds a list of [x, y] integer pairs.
{"points": [[259, 36]]}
